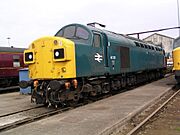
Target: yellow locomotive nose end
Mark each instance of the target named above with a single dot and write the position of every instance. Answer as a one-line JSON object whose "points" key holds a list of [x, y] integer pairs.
{"points": [[176, 59], [51, 58]]}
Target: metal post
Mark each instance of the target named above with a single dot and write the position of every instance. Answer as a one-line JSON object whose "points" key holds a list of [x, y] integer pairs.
{"points": [[8, 38], [138, 35], [178, 15]]}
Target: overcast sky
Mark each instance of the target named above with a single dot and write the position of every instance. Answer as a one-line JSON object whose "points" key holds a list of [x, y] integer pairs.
{"points": [[26, 20]]}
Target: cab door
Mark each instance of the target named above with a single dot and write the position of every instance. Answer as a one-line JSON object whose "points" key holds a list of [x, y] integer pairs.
{"points": [[99, 59]]}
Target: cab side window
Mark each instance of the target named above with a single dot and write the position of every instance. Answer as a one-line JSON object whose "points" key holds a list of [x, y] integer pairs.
{"points": [[16, 61], [97, 40]]}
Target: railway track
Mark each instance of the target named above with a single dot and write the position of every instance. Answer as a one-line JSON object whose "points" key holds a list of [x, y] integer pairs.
{"points": [[7, 89], [36, 113], [8, 114], [20, 118], [32, 114], [150, 116]]}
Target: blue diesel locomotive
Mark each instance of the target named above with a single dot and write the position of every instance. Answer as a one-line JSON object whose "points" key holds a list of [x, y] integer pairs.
{"points": [[82, 61]]}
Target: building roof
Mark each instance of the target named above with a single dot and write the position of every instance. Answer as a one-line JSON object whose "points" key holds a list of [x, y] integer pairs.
{"points": [[11, 49], [158, 35]]}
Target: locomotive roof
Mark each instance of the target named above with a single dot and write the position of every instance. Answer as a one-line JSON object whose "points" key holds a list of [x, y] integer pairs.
{"points": [[111, 35], [11, 49]]}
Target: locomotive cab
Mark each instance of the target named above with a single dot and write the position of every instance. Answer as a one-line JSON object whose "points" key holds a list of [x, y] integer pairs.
{"points": [[90, 48]]}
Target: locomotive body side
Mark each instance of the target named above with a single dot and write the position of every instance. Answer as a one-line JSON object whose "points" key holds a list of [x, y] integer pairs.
{"points": [[134, 56], [116, 54]]}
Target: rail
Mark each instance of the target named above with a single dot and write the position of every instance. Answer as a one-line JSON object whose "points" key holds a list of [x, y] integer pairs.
{"points": [[134, 130], [9, 88]]}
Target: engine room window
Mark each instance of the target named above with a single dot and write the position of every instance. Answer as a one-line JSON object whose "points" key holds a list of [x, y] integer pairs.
{"points": [[142, 45], [16, 61], [137, 44], [145, 46], [97, 40]]}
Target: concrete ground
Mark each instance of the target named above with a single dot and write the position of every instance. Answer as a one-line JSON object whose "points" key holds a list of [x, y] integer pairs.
{"points": [[101, 117], [12, 102]]}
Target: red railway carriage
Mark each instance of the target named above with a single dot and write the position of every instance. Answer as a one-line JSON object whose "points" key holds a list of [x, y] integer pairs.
{"points": [[11, 60]]}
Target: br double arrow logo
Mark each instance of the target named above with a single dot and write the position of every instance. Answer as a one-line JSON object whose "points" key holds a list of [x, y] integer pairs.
{"points": [[98, 57]]}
